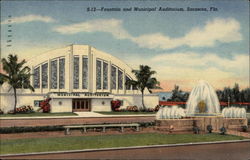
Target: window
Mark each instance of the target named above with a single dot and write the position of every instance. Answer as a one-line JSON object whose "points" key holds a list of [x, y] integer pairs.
{"points": [[128, 87], [113, 77], [37, 103], [54, 74], [37, 77], [45, 75], [84, 73], [76, 73], [98, 74], [105, 75], [120, 79], [62, 73]]}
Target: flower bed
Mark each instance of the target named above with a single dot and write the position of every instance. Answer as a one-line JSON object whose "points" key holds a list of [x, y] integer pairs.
{"points": [[23, 109], [137, 109]]}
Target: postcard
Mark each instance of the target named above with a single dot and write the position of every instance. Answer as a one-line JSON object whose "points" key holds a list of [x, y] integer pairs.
{"points": [[124, 79]]}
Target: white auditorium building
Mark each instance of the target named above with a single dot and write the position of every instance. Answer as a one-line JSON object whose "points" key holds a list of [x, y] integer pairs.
{"points": [[78, 78]]}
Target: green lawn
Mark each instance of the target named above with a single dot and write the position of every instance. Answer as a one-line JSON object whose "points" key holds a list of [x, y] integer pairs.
{"points": [[125, 113], [104, 141], [38, 114]]}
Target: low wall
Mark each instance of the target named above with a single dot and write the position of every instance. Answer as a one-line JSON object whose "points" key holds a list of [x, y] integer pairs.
{"points": [[178, 124], [187, 124], [237, 133], [71, 121]]}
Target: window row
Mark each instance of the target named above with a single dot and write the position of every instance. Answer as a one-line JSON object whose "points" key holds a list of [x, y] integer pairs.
{"points": [[57, 72], [57, 75], [76, 72], [102, 76]]}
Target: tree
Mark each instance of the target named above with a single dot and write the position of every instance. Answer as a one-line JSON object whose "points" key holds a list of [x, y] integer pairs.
{"points": [[236, 93], [144, 80], [17, 75], [178, 95], [232, 94]]}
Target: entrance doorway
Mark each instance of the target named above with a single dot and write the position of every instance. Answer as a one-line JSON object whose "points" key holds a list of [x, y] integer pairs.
{"points": [[81, 105]]}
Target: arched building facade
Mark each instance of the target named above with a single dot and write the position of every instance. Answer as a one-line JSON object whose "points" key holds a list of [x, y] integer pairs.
{"points": [[78, 78]]}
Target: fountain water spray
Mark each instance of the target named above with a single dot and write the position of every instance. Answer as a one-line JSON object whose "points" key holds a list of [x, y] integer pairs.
{"points": [[234, 112], [203, 93], [173, 112]]}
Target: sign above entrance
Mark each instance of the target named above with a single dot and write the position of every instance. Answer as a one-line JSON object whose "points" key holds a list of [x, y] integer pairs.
{"points": [[80, 95]]}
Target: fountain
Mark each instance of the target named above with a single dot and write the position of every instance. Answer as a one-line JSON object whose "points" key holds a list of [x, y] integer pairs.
{"points": [[202, 109], [174, 112], [203, 99], [234, 112]]}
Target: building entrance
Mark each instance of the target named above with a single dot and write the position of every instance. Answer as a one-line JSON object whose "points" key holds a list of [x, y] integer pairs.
{"points": [[81, 105]]}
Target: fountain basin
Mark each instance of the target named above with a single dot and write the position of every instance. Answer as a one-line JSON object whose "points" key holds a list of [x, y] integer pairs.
{"points": [[204, 114], [187, 124]]}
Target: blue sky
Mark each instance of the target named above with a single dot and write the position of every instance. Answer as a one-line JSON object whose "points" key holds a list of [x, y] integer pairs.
{"points": [[182, 47]]}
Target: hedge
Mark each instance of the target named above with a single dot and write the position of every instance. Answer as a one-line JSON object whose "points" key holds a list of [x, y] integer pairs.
{"points": [[30, 129]]}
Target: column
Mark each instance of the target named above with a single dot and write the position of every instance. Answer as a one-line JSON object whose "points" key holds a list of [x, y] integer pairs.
{"points": [[49, 75], [40, 79], [80, 72], [116, 84], [102, 75], [58, 89], [109, 76], [71, 69], [93, 73], [90, 70], [32, 77], [124, 81]]}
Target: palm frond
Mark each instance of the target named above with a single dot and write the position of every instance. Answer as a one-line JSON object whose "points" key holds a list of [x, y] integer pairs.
{"points": [[16, 76]]}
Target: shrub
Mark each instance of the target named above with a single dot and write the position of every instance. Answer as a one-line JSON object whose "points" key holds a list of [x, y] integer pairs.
{"points": [[1, 112], [30, 129], [150, 110], [115, 105], [147, 124], [147, 110], [223, 130], [196, 130], [45, 106], [209, 128], [132, 108], [157, 107], [244, 128]]}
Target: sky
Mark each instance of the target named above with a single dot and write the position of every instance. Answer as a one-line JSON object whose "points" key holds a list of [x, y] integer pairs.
{"points": [[183, 47]]}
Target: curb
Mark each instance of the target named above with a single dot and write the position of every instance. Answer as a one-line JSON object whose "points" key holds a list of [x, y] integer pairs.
{"points": [[125, 148]]}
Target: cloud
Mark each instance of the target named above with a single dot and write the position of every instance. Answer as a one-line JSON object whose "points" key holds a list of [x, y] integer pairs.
{"points": [[29, 18], [221, 30], [112, 26], [156, 40], [187, 68], [237, 65], [216, 30]]}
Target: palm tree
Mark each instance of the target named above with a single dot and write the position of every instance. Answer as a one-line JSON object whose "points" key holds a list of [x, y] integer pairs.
{"points": [[16, 75], [144, 80]]}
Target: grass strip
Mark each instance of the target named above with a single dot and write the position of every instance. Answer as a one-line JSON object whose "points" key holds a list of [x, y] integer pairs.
{"points": [[104, 141]]}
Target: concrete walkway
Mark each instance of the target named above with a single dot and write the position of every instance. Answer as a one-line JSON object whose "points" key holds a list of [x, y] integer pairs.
{"points": [[89, 114]]}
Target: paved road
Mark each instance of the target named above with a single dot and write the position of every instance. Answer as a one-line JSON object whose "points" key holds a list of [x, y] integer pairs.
{"points": [[228, 151]]}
